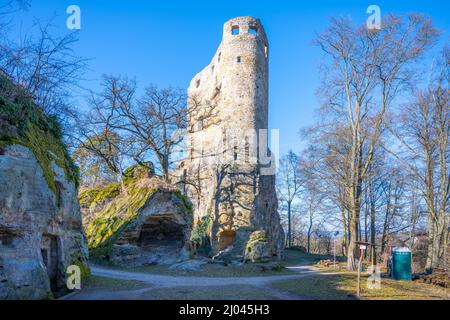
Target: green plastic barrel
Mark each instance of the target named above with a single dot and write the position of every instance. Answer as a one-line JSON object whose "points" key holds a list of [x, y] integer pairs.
{"points": [[401, 263]]}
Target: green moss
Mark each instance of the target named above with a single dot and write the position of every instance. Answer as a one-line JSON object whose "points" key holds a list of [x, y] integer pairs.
{"points": [[115, 216], [259, 235], [92, 197], [48, 148], [200, 231], [86, 196], [187, 204], [136, 172], [40, 133]]}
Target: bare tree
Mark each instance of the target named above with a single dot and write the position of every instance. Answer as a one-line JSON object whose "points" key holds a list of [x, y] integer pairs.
{"points": [[366, 71], [45, 66], [96, 131], [327, 160], [423, 135], [289, 186], [137, 129], [152, 124]]}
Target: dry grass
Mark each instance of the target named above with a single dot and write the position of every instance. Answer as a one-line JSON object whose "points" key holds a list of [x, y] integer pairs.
{"points": [[343, 287]]}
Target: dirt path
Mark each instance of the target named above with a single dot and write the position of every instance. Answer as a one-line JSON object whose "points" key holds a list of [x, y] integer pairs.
{"points": [[156, 281]]}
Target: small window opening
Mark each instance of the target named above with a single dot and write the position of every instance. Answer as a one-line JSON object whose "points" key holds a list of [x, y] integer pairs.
{"points": [[6, 240], [198, 83], [235, 30], [200, 125], [59, 190], [253, 30], [235, 153], [247, 150], [218, 58], [212, 69], [238, 59], [224, 141]]}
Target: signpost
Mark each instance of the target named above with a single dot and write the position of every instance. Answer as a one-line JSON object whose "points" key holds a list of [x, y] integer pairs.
{"points": [[362, 247]]}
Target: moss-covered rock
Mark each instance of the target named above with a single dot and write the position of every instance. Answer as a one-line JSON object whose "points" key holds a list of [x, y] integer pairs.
{"points": [[39, 214], [26, 124], [115, 228], [116, 215], [258, 248], [138, 171], [93, 197]]}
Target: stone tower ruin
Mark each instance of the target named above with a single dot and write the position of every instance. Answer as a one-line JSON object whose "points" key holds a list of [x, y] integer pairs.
{"points": [[227, 172]]}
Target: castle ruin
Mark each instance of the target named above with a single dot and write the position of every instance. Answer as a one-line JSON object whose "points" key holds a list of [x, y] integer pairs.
{"points": [[225, 173]]}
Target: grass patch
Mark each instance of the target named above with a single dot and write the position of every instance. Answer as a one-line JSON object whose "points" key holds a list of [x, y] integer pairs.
{"points": [[343, 287], [237, 292]]}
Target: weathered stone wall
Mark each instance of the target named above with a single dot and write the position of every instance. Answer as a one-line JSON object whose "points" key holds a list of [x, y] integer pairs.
{"points": [[228, 104], [40, 230]]}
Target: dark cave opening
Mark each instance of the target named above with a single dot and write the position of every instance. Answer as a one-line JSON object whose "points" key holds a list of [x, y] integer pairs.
{"points": [[50, 256], [160, 232]]}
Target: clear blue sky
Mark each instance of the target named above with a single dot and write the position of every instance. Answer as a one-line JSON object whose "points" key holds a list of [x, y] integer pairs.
{"points": [[168, 42]]}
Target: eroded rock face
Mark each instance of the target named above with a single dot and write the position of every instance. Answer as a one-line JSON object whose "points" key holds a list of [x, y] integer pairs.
{"points": [[227, 175], [258, 248], [156, 230], [160, 232], [40, 231]]}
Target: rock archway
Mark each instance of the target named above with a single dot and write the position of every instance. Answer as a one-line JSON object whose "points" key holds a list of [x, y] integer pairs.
{"points": [[162, 233]]}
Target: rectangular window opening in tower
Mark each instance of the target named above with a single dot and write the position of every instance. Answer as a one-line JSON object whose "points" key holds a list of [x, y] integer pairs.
{"points": [[247, 150], [235, 30], [238, 59], [253, 30]]}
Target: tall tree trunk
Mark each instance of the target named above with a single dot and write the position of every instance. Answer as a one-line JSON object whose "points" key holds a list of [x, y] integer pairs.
{"points": [[289, 225], [373, 252], [344, 232], [354, 227]]}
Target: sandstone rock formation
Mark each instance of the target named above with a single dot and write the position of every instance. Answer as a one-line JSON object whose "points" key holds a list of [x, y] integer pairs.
{"points": [[40, 223], [146, 223], [225, 174]]}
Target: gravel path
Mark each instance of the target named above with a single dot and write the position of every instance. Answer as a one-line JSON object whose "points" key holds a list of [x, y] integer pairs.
{"points": [[156, 281]]}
